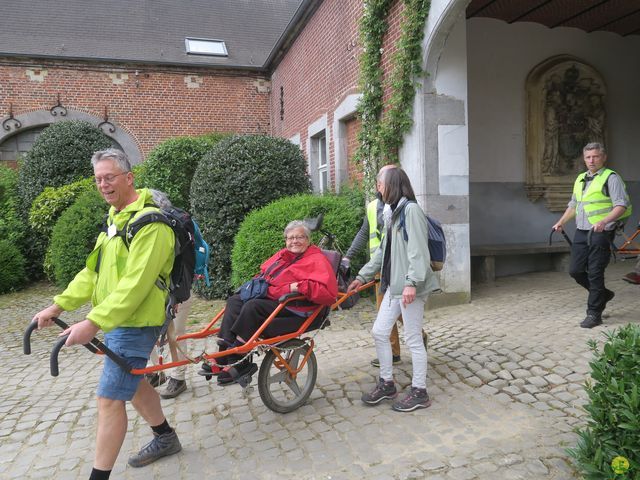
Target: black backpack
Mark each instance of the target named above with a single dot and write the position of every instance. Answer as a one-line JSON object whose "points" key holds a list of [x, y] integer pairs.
{"points": [[186, 235]]}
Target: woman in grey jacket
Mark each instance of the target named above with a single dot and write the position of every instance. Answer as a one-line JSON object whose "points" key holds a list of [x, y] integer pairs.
{"points": [[406, 280]]}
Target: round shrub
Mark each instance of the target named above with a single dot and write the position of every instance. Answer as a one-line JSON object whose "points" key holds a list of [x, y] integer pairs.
{"points": [[171, 165], [60, 155], [12, 273], [50, 204], [74, 236], [12, 227], [240, 174], [260, 235]]}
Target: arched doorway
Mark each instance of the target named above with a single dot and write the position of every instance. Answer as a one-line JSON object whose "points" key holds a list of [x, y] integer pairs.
{"points": [[18, 133]]}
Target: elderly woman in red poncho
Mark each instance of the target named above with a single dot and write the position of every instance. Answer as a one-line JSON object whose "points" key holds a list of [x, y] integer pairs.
{"points": [[299, 268]]}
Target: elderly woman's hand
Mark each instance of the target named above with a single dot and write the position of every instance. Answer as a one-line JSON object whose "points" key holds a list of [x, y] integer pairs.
{"points": [[293, 287]]}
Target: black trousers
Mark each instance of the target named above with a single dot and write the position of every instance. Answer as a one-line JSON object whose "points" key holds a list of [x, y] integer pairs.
{"points": [[590, 256], [243, 319]]}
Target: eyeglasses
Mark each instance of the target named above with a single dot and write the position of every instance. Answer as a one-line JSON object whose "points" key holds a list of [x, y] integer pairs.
{"points": [[299, 238], [109, 178]]}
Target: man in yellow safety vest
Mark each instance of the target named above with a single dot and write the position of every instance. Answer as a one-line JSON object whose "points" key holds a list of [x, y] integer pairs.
{"points": [[599, 204]]}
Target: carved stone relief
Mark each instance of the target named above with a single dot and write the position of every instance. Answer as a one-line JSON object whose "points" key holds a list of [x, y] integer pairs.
{"points": [[565, 111]]}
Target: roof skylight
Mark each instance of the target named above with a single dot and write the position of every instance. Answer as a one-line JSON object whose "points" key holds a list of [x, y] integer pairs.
{"points": [[205, 46]]}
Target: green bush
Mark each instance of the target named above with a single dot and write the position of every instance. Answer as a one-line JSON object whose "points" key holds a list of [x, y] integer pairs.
{"points": [[50, 204], [614, 407], [240, 174], [171, 165], [12, 273], [60, 155], [12, 228], [74, 236], [260, 235]]}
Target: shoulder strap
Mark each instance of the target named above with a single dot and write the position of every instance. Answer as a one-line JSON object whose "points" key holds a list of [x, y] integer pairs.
{"points": [[403, 220]]}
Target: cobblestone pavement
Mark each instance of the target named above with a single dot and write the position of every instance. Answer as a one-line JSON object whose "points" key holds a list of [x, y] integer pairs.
{"points": [[505, 373]]}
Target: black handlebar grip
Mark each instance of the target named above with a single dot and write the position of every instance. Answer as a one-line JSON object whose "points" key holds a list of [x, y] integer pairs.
{"points": [[26, 339], [53, 361]]}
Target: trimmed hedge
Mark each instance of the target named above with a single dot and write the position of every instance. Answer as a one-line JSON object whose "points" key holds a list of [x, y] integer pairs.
{"points": [[60, 155], [260, 235], [12, 273], [170, 166], [12, 227], [50, 204], [74, 236], [614, 406], [240, 174]]}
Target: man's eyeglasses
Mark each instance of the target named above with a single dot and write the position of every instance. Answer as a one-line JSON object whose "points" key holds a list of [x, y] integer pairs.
{"points": [[108, 178], [299, 238]]}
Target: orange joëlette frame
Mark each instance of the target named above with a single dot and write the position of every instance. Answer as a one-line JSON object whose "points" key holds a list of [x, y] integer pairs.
{"points": [[255, 340], [624, 248]]}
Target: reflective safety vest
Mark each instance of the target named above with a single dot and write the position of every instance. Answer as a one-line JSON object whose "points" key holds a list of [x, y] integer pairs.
{"points": [[595, 203], [374, 231]]}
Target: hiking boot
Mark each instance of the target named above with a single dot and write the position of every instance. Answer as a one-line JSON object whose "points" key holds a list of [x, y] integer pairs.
{"points": [[416, 398], [156, 379], [632, 277], [174, 388], [380, 392], [396, 360], [160, 446], [591, 320]]}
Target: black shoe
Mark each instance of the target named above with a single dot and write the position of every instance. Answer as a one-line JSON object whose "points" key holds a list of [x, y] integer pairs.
{"points": [[396, 360], [608, 296], [156, 379], [237, 374], [591, 320]]}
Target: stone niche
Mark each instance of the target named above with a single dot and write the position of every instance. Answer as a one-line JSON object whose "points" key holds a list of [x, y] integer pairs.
{"points": [[565, 111]]}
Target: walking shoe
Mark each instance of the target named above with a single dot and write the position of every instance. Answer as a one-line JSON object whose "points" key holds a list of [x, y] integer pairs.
{"points": [[608, 296], [210, 369], [632, 277], [233, 374], [160, 446], [381, 391], [591, 320], [174, 388], [416, 398], [396, 360], [155, 379]]}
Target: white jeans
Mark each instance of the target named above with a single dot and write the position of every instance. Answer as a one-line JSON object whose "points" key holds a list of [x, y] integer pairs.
{"points": [[179, 328], [413, 316]]}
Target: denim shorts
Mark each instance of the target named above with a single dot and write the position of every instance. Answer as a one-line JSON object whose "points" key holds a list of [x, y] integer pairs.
{"points": [[134, 345]]}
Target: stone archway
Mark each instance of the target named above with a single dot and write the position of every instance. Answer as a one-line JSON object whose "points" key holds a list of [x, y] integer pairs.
{"points": [[26, 126]]}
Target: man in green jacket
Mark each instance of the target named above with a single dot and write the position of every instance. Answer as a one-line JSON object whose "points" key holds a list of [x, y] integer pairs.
{"points": [[128, 305]]}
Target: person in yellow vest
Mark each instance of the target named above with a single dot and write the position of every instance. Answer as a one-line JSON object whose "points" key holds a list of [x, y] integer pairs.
{"points": [[599, 204], [371, 231]]}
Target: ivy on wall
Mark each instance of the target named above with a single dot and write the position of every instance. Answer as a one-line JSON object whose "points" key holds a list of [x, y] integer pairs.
{"points": [[382, 130]]}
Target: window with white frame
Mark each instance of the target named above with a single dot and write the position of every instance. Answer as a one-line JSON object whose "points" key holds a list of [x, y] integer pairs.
{"points": [[319, 164]]}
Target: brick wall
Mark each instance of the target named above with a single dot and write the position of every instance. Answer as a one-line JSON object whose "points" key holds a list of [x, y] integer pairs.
{"points": [[321, 69], [153, 105]]}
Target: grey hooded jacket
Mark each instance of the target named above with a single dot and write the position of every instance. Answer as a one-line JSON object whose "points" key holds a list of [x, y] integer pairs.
{"points": [[410, 260]]}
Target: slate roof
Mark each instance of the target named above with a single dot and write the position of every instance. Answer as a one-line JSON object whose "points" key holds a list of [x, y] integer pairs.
{"points": [[145, 31]]}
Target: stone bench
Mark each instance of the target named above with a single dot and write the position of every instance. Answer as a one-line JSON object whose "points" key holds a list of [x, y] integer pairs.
{"points": [[485, 264]]}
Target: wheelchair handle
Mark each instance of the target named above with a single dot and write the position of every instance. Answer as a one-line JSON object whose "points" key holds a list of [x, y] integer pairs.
{"points": [[564, 234], [26, 339], [53, 360]]}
